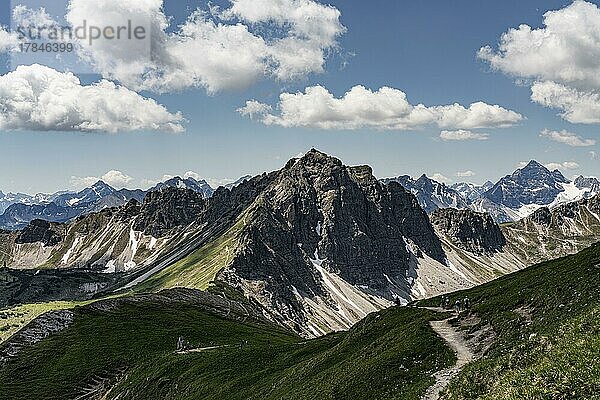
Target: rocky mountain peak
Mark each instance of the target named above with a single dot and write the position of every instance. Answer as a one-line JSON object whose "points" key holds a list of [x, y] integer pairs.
{"points": [[102, 189], [533, 165], [314, 161], [535, 170], [592, 184], [198, 186], [319, 215], [475, 232], [533, 184]]}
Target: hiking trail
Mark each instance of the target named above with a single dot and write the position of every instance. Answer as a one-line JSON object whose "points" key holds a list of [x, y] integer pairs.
{"points": [[464, 355]]}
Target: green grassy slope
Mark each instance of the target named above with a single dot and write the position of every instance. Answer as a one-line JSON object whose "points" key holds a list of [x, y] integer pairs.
{"points": [[390, 355], [198, 269], [547, 322]]}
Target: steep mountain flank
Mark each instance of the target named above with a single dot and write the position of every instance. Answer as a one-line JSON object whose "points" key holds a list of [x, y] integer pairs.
{"points": [[543, 322]]}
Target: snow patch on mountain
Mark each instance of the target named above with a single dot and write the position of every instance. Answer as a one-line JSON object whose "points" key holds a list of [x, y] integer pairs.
{"points": [[65, 258]]}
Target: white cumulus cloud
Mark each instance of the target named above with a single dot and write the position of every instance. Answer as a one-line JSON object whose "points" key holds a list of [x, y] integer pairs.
{"points": [[578, 106], [566, 50], [465, 174], [217, 50], [568, 138], [561, 59], [562, 165], [386, 108], [114, 178], [39, 98], [441, 178], [463, 134]]}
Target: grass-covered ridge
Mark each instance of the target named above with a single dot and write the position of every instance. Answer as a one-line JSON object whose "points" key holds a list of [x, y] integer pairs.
{"points": [[389, 355], [547, 324], [199, 269]]}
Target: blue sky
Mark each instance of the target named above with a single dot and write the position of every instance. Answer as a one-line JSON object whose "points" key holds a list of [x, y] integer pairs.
{"points": [[427, 49]]}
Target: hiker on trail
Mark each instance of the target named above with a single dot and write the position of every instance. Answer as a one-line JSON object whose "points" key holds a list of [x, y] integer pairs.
{"points": [[457, 306], [397, 300], [466, 303], [180, 344], [447, 303]]}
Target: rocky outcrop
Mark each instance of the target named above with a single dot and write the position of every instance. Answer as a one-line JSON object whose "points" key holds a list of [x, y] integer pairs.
{"points": [[470, 231], [590, 184], [201, 187], [39, 329], [39, 231], [542, 216], [551, 233], [166, 209], [27, 286]]}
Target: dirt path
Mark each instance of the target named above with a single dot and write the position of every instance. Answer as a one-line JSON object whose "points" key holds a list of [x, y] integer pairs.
{"points": [[463, 353], [200, 350]]}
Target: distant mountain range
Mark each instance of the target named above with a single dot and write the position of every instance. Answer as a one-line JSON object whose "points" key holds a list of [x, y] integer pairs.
{"points": [[513, 197], [17, 210], [431, 194]]}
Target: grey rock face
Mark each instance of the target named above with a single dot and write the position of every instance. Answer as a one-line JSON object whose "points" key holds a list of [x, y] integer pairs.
{"points": [[238, 182], [589, 183], [39, 231], [543, 216], [317, 210], [468, 230], [470, 191], [558, 216], [166, 209]]}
